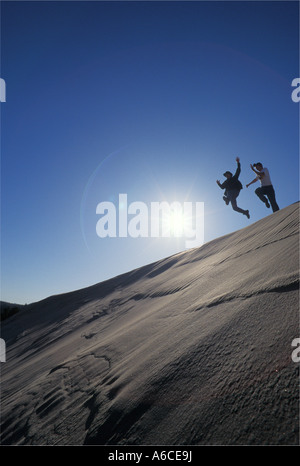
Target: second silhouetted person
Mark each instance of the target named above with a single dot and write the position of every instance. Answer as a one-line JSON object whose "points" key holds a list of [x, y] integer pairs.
{"points": [[233, 186]]}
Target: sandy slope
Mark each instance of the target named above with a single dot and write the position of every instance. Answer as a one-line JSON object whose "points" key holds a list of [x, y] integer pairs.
{"points": [[193, 349]]}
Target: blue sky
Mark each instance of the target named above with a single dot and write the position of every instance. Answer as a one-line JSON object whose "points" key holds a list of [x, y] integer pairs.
{"points": [[153, 99]]}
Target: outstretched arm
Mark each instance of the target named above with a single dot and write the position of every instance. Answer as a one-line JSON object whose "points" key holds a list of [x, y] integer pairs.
{"points": [[251, 182]]}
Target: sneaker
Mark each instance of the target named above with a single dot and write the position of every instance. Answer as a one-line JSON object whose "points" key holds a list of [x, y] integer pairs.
{"points": [[267, 204], [247, 214], [226, 200]]}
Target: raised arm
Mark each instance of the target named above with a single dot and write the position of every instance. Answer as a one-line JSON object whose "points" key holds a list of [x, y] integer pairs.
{"points": [[238, 170], [260, 174]]}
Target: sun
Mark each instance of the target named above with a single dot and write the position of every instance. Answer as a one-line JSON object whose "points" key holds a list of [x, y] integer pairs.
{"points": [[176, 222]]}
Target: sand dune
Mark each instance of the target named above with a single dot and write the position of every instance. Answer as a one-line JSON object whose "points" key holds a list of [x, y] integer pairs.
{"points": [[194, 349]]}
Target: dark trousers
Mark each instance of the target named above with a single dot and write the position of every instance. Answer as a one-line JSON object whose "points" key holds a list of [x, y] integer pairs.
{"points": [[231, 196], [270, 193]]}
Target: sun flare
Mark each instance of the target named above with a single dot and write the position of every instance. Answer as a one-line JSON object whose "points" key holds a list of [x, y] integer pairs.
{"points": [[176, 222]]}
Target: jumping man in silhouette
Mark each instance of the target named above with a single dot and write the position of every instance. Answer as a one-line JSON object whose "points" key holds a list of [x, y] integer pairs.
{"points": [[266, 188], [232, 187]]}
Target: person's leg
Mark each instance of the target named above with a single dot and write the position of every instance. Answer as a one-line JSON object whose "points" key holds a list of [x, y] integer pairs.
{"points": [[271, 195], [260, 193], [225, 198], [233, 195]]}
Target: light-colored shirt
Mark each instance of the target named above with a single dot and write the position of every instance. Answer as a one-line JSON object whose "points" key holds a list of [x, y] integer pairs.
{"points": [[266, 180]]}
